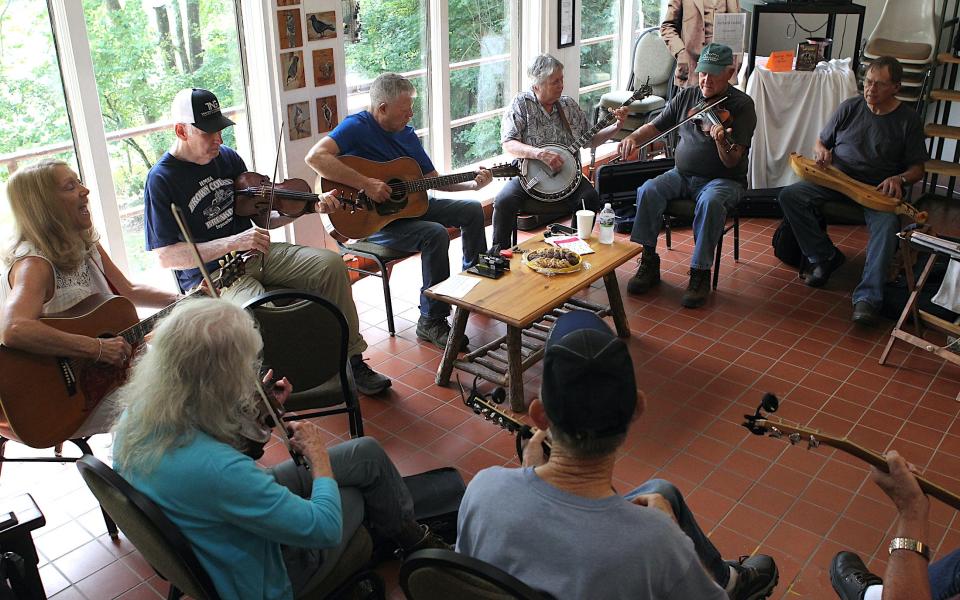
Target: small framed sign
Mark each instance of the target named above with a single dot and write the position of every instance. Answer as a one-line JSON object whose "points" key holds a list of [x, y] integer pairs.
{"points": [[566, 18]]}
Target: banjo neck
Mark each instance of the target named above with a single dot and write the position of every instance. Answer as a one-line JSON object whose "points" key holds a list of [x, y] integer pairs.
{"points": [[606, 119]]}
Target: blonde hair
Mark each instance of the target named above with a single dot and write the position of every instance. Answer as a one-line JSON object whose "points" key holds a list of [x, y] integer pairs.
{"points": [[42, 220], [196, 375]]}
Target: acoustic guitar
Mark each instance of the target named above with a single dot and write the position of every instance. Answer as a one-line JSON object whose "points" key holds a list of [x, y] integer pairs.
{"points": [[45, 399], [486, 409], [362, 217], [760, 424], [861, 193]]}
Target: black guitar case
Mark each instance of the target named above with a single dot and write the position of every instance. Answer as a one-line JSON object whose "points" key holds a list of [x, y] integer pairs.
{"points": [[436, 500]]}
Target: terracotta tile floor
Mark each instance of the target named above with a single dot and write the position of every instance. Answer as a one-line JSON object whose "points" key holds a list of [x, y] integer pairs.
{"points": [[701, 370]]}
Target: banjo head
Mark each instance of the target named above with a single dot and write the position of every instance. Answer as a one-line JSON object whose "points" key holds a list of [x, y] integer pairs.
{"points": [[545, 185]]}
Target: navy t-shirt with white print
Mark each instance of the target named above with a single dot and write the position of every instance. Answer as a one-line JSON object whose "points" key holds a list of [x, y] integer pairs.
{"points": [[203, 192]]}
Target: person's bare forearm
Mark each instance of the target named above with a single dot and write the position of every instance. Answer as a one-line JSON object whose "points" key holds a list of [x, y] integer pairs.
{"points": [[520, 150], [604, 134], [332, 168], [180, 256], [907, 577]]}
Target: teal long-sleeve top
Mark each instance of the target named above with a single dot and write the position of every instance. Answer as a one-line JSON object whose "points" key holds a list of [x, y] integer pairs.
{"points": [[236, 515]]}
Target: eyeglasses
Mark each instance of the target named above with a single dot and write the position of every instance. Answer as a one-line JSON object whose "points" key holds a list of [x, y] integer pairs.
{"points": [[875, 83]]}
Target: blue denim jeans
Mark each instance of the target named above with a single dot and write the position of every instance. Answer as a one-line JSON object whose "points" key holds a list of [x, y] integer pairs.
{"points": [[799, 203], [706, 551], [428, 235], [945, 576], [713, 196]]}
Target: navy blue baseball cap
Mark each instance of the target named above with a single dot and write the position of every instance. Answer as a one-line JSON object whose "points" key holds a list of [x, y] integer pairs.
{"points": [[589, 389]]}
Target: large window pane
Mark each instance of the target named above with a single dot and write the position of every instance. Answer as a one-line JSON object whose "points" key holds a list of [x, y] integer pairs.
{"points": [[599, 18], [476, 141], [597, 49], [393, 38], [480, 48], [144, 52], [33, 111], [651, 13]]}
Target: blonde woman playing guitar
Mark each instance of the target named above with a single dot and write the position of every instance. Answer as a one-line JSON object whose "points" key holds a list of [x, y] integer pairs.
{"points": [[54, 264]]}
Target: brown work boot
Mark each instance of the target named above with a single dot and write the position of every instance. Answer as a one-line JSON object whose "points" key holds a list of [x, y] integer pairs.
{"points": [[427, 539], [697, 290], [647, 275]]}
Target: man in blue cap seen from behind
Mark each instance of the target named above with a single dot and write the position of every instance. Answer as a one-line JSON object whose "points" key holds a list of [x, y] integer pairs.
{"points": [[557, 523]]}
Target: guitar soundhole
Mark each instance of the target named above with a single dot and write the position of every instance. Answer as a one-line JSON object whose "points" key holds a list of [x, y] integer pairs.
{"points": [[397, 201]]}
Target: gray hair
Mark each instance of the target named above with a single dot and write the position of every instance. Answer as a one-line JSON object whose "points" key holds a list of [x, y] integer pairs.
{"points": [[584, 448], [542, 68], [196, 375], [388, 87]]}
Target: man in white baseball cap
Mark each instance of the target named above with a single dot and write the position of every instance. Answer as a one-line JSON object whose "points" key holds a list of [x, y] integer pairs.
{"points": [[198, 174]]}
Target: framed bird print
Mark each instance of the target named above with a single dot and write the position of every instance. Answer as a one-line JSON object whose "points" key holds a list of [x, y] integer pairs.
{"points": [[291, 34], [327, 117], [298, 120], [321, 25], [291, 70], [323, 67]]}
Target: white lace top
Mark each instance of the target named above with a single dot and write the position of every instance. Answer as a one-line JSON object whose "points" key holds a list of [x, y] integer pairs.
{"points": [[70, 287]]}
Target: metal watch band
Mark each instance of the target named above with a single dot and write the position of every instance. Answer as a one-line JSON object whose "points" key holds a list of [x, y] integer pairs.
{"points": [[904, 543]]}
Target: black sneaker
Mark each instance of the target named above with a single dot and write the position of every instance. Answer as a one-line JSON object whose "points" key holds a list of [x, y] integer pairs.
{"points": [[820, 272], [697, 290], [850, 577], [436, 330], [368, 381], [756, 577], [647, 274]]}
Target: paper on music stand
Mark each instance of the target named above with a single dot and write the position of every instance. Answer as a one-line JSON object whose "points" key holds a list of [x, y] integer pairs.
{"points": [[456, 286], [729, 29]]}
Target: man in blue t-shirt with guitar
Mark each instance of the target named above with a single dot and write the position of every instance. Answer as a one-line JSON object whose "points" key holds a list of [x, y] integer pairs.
{"points": [[381, 158]]}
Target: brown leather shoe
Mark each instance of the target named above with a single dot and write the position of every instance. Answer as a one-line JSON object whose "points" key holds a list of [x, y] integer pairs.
{"points": [[697, 290]]}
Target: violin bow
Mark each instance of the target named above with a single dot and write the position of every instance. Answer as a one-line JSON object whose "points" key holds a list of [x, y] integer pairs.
{"points": [[677, 126], [271, 411], [273, 183]]}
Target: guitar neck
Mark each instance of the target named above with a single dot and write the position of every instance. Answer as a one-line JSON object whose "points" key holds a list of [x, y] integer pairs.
{"points": [[134, 335], [797, 434], [432, 183]]}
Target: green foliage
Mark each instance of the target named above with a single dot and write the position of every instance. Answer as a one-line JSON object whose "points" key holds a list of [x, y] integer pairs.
{"points": [[475, 142], [599, 18]]}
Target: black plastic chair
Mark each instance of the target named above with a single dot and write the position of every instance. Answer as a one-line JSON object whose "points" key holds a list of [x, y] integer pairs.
{"points": [[384, 258], [435, 574], [305, 340], [683, 209]]}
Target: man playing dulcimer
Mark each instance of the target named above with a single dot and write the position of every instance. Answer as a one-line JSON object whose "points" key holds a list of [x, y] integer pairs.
{"points": [[874, 139]]}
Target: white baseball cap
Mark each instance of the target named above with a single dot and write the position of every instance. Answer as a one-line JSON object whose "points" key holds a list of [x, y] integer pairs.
{"points": [[200, 108]]}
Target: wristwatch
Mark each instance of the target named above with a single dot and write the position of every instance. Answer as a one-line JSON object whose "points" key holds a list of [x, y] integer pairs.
{"points": [[904, 543], [903, 181]]}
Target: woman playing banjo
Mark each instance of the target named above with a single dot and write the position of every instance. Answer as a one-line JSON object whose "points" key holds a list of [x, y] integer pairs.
{"points": [[539, 128]]}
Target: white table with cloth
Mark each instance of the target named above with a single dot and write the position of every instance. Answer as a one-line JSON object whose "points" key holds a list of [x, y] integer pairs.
{"points": [[792, 107]]}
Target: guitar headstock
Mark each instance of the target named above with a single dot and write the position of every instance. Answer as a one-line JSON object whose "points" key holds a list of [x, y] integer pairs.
{"points": [[641, 92], [505, 170], [488, 411], [349, 201], [232, 268], [759, 424]]}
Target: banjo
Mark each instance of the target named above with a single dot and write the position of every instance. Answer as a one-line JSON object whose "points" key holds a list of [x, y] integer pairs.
{"points": [[538, 180]]}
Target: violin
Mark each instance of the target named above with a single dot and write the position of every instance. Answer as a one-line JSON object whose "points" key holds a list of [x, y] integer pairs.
{"points": [[291, 197], [707, 116]]}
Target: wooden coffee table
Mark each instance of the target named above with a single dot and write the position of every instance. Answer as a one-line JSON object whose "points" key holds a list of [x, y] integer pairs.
{"points": [[528, 303]]}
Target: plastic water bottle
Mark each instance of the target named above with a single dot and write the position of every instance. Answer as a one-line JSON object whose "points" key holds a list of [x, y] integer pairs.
{"points": [[605, 220]]}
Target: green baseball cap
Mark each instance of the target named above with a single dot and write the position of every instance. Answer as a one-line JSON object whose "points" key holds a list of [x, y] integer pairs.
{"points": [[714, 59]]}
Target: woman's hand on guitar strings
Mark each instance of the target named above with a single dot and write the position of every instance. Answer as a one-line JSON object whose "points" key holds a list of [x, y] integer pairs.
{"points": [[113, 351], [655, 501], [307, 439], [533, 454], [281, 389], [902, 488], [891, 186]]}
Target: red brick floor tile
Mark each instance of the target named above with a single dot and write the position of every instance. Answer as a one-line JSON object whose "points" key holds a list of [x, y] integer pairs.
{"points": [[109, 582]]}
